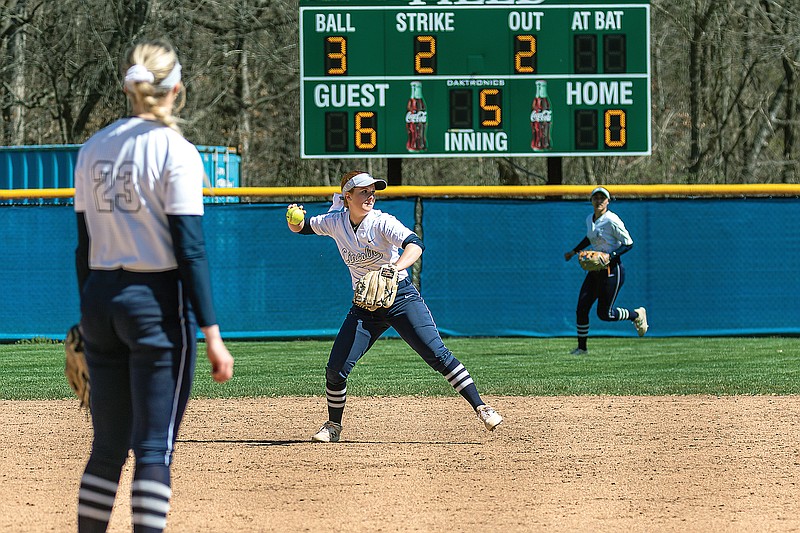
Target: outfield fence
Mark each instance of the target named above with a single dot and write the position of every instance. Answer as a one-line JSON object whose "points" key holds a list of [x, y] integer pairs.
{"points": [[707, 260]]}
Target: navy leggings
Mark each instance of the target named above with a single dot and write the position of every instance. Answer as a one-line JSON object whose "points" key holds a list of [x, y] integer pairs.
{"points": [[601, 286], [409, 316], [139, 334]]}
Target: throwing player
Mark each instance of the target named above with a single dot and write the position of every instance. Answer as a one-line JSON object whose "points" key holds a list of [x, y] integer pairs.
{"points": [[145, 286], [605, 232], [367, 239]]}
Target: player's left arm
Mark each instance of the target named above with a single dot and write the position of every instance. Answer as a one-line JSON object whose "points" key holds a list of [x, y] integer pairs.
{"points": [[412, 251], [625, 248], [624, 237], [396, 233], [190, 252]]}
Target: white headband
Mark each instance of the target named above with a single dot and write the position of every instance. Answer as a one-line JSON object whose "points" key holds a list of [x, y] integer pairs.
{"points": [[139, 73], [172, 79]]}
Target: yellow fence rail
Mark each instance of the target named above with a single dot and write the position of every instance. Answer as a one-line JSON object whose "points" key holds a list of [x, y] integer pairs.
{"points": [[521, 191]]}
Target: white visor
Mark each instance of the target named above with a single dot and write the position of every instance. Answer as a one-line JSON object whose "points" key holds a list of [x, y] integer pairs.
{"points": [[363, 180], [602, 191]]}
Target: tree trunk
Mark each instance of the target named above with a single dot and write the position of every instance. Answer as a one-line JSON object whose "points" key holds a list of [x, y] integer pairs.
{"points": [[246, 108], [696, 86], [789, 141]]}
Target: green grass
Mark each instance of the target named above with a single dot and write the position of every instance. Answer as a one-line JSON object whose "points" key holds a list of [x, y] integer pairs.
{"points": [[504, 366]]}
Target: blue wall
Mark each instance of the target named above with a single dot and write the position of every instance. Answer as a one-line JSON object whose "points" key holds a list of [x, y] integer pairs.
{"points": [[491, 268]]}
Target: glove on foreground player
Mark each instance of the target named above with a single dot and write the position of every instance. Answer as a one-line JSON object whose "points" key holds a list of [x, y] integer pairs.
{"points": [[75, 368], [377, 288], [593, 260]]}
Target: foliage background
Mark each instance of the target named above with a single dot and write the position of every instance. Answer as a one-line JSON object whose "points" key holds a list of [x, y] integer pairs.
{"points": [[724, 90]]}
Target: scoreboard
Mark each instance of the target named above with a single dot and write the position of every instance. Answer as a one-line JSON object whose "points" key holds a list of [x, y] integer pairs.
{"points": [[463, 78]]}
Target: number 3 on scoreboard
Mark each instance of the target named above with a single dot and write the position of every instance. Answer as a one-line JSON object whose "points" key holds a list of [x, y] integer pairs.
{"points": [[335, 55]]}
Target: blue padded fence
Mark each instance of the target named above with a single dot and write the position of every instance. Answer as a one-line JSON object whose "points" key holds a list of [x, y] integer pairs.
{"points": [[53, 167], [700, 267], [491, 268]]}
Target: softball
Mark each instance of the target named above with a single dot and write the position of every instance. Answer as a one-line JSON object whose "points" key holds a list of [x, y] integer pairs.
{"points": [[295, 215]]}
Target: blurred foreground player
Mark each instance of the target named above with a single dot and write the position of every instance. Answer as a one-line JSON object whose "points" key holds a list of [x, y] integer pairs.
{"points": [[145, 286]]}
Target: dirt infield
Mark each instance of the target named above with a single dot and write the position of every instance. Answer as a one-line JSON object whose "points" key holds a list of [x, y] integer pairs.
{"points": [[425, 464]]}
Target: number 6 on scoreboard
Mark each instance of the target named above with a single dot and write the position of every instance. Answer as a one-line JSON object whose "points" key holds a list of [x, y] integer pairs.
{"points": [[366, 131]]}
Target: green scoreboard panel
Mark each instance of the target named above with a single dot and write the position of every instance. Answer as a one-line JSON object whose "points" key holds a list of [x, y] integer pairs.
{"points": [[460, 78]]}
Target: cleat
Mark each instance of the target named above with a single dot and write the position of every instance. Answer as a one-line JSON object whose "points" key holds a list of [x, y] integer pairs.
{"points": [[329, 432], [490, 418], [579, 351], [641, 322]]}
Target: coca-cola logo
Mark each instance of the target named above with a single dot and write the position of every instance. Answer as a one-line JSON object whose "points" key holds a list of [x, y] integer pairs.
{"points": [[416, 118], [545, 115]]}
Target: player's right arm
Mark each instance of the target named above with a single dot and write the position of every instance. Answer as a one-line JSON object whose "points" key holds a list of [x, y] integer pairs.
{"points": [[581, 245], [301, 227], [294, 211], [82, 251], [79, 206]]}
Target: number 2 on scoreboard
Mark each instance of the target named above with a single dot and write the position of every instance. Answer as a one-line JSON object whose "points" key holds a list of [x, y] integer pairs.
{"points": [[424, 54], [524, 54]]}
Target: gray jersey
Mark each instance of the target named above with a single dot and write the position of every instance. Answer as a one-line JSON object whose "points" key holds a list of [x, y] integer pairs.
{"points": [[607, 233], [128, 178], [376, 242]]}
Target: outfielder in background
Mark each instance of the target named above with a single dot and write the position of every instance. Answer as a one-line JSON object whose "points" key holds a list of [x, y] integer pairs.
{"points": [[370, 240], [606, 233], [145, 286]]}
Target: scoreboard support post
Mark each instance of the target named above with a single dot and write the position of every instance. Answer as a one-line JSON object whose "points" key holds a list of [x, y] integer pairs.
{"points": [[554, 171], [394, 171]]}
